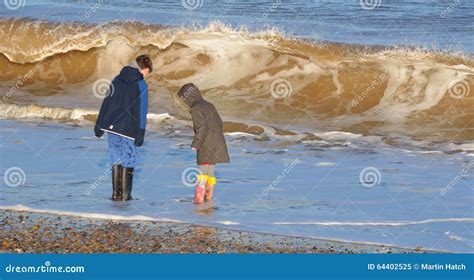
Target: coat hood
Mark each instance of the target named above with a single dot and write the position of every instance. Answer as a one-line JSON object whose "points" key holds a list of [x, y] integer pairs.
{"points": [[190, 94], [130, 73]]}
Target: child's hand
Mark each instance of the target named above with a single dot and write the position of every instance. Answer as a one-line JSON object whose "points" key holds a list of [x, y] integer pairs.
{"points": [[194, 149]]}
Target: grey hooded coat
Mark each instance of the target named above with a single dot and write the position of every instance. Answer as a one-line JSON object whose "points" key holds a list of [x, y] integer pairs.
{"points": [[209, 138]]}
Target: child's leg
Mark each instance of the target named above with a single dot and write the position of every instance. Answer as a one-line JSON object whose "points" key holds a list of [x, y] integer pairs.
{"points": [[201, 183], [211, 182]]}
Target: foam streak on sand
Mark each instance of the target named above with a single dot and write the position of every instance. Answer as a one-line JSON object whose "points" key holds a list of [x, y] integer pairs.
{"points": [[22, 208], [389, 224], [145, 218]]}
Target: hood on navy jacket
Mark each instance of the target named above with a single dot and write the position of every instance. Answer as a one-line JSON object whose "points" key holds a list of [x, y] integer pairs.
{"points": [[130, 73], [125, 107]]}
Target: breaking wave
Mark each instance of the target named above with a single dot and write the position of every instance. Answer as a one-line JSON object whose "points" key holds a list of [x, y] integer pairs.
{"points": [[251, 77]]}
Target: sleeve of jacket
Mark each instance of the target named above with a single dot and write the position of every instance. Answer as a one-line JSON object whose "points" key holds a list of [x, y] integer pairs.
{"points": [[97, 131], [200, 128], [98, 123], [142, 104]]}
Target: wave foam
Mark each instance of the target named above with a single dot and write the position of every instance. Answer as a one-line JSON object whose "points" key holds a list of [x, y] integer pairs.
{"points": [[389, 224], [100, 216]]}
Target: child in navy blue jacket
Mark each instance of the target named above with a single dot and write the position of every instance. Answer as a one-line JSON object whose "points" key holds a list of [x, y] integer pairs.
{"points": [[123, 116]]}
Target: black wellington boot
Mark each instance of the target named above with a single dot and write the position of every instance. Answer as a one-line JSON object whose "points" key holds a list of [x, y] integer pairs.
{"points": [[117, 182], [127, 181]]}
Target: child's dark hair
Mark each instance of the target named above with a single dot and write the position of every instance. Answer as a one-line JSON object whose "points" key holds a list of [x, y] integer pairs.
{"points": [[144, 61]]}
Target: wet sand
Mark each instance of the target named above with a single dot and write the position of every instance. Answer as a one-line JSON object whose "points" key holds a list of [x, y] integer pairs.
{"points": [[27, 232]]}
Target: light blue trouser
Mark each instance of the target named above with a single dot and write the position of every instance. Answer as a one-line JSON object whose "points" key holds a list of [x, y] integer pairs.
{"points": [[122, 150], [207, 169]]}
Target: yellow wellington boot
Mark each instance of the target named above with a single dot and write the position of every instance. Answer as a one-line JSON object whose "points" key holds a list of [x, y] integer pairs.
{"points": [[211, 182]]}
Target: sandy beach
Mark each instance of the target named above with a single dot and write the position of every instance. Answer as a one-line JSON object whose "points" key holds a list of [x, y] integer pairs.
{"points": [[27, 232]]}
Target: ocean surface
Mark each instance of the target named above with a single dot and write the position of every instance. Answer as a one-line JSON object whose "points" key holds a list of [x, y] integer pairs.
{"points": [[346, 120], [443, 24]]}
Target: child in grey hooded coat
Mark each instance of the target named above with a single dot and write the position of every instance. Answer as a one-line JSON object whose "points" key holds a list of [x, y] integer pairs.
{"points": [[208, 142]]}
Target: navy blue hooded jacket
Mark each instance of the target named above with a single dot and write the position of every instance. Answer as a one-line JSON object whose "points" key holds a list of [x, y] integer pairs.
{"points": [[125, 107]]}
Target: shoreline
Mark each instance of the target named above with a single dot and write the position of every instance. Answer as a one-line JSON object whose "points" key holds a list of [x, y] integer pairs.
{"points": [[30, 232]]}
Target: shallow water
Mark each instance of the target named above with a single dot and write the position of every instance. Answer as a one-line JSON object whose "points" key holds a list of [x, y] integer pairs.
{"points": [[309, 189]]}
